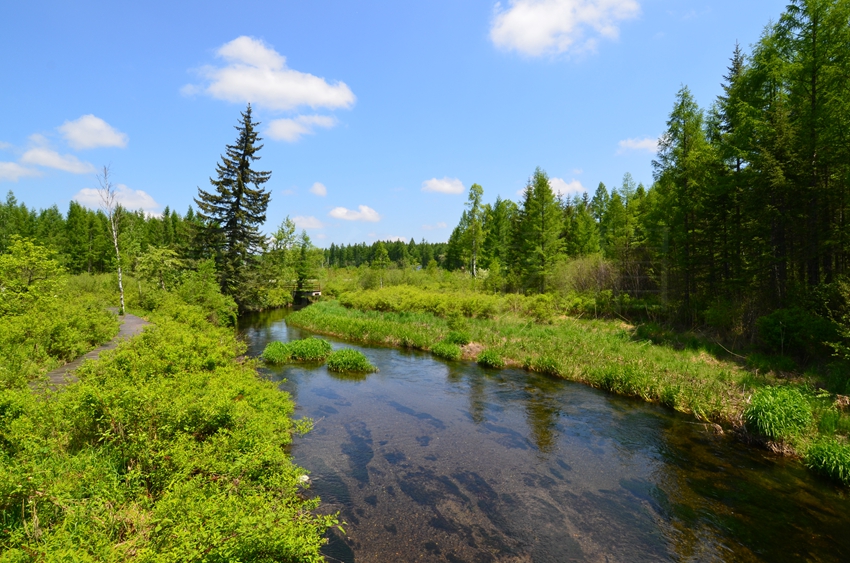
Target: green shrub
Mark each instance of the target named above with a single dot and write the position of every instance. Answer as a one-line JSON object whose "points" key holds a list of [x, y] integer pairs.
{"points": [[458, 337], [490, 359], [830, 458], [350, 360], [447, 350], [166, 450], [779, 412], [796, 332], [304, 350]]}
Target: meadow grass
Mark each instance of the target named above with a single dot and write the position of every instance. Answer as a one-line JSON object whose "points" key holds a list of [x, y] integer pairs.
{"points": [[610, 355], [348, 360]]}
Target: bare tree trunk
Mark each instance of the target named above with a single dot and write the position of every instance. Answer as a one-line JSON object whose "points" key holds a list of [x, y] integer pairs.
{"points": [[107, 198]]}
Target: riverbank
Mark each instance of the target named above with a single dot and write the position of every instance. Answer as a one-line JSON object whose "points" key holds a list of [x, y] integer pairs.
{"points": [[608, 355]]}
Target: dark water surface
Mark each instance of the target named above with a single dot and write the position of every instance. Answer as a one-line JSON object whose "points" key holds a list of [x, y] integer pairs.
{"points": [[444, 461]]}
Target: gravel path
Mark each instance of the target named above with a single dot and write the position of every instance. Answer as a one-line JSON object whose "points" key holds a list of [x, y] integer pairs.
{"points": [[131, 325]]}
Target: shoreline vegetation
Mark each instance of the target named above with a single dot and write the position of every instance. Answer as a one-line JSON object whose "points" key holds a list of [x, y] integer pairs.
{"points": [[791, 415], [170, 447]]}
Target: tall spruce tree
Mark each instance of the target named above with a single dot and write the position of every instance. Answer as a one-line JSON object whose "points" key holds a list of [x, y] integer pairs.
{"points": [[539, 231], [234, 211]]}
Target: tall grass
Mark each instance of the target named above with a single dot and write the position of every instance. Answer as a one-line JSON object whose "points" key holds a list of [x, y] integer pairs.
{"points": [[304, 350], [348, 360], [779, 412]]}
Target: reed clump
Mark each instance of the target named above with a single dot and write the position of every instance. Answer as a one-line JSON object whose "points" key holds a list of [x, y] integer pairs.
{"points": [[304, 350], [349, 360]]}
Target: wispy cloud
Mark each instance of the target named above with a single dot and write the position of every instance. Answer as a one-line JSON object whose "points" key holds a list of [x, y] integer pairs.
{"points": [[11, 171], [126, 197], [548, 27], [310, 222], [292, 129], [646, 144], [89, 132], [254, 72], [444, 186], [364, 213], [48, 158], [319, 189], [563, 188]]}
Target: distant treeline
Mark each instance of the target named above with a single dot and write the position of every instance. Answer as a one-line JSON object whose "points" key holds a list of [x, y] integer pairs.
{"points": [[400, 253], [80, 237]]}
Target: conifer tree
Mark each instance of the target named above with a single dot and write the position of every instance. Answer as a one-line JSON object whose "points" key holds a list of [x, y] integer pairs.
{"points": [[233, 212]]}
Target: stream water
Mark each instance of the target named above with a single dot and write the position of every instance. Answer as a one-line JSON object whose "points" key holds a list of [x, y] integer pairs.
{"points": [[429, 460]]}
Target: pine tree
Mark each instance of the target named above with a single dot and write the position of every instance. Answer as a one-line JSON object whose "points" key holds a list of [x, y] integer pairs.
{"points": [[233, 213], [539, 230]]}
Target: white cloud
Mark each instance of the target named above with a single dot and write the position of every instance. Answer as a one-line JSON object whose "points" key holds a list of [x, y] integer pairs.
{"points": [[321, 236], [126, 197], [445, 186], [647, 144], [11, 171], [396, 239], [440, 225], [578, 171], [364, 214], [5, 146], [89, 132], [311, 222], [43, 156], [319, 189], [566, 189], [292, 130], [540, 27], [256, 73]]}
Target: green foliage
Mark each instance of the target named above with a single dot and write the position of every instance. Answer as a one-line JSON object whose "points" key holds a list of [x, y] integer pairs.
{"points": [[490, 359], [166, 450], [446, 350], [779, 413], [304, 350], [458, 337], [796, 332], [831, 458], [349, 360], [47, 319]]}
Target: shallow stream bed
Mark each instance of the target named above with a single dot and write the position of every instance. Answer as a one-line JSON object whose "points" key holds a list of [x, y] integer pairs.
{"points": [[437, 461]]}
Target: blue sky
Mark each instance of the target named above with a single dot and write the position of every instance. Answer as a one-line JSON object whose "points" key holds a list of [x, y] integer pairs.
{"points": [[377, 116]]}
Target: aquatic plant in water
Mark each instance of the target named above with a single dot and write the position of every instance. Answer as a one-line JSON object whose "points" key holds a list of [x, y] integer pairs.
{"points": [[305, 350], [350, 360], [447, 350], [779, 412], [490, 359]]}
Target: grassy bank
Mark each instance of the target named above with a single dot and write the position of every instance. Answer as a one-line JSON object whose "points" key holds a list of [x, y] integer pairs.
{"points": [[607, 355], [168, 449]]}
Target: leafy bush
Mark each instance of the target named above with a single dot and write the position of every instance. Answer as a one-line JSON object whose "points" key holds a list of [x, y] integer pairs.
{"points": [[458, 337], [447, 350], [779, 412], [166, 450], [830, 458], [796, 332], [304, 350], [350, 360], [490, 359]]}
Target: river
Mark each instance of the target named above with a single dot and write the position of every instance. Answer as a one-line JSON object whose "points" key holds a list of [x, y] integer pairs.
{"points": [[438, 461]]}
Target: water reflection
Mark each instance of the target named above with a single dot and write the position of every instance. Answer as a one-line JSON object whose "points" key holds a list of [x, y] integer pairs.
{"points": [[443, 461]]}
